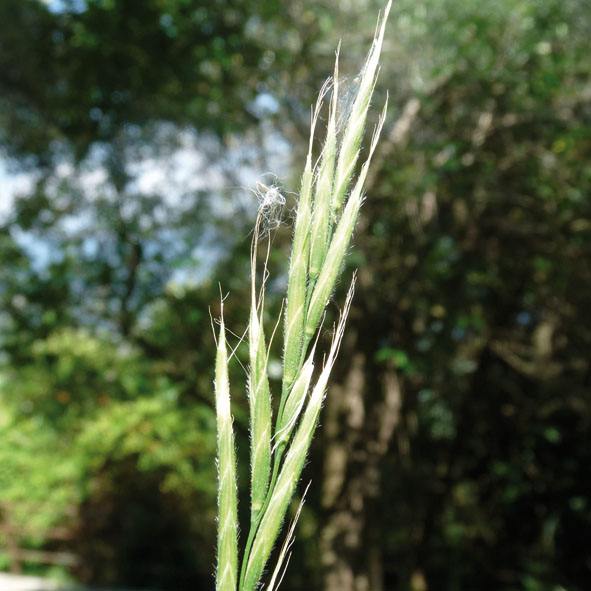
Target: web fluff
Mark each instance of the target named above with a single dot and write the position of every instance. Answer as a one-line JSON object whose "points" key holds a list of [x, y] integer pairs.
{"points": [[271, 206]]}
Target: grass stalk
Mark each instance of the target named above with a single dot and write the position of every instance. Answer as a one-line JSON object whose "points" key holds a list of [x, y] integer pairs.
{"points": [[328, 208]]}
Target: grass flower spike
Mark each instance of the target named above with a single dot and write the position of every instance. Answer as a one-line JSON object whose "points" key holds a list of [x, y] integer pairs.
{"points": [[328, 208]]}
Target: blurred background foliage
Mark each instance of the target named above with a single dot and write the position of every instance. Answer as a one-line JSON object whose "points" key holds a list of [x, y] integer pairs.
{"points": [[454, 453]]}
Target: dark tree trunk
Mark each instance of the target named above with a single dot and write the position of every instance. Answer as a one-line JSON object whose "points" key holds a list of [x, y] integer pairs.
{"points": [[360, 417]]}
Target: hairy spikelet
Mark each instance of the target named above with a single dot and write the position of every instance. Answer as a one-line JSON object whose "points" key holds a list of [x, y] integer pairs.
{"points": [[227, 552], [321, 225], [294, 402], [339, 243], [353, 134], [260, 397], [298, 267]]}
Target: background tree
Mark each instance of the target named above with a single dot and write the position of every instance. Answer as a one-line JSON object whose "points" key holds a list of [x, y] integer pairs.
{"points": [[453, 450]]}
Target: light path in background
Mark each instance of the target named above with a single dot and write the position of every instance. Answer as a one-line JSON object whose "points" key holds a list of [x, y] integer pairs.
{"points": [[19, 583], [22, 583]]}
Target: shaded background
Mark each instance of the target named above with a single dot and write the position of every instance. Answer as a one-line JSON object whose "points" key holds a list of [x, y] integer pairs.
{"points": [[454, 451]]}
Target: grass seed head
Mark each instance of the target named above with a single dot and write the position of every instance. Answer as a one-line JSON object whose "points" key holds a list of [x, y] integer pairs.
{"points": [[325, 222]]}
